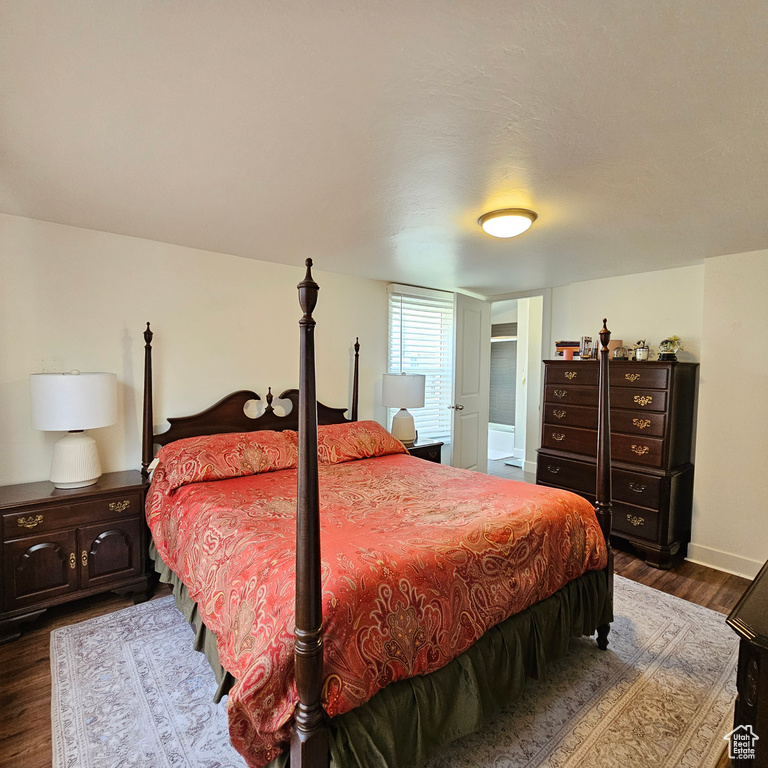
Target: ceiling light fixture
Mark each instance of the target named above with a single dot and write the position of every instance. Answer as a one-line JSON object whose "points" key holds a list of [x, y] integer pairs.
{"points": [[507, 222]]}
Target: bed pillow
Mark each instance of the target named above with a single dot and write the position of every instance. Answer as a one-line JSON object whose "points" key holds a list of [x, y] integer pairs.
{"points": [[222, 456], [355, 440]]}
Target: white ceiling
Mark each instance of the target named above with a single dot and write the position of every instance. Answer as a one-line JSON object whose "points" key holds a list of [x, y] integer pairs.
{"points": [[371, 135]]}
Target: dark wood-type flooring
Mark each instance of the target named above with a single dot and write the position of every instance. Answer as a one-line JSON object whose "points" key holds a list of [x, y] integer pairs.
{"points": [[25, 677]]}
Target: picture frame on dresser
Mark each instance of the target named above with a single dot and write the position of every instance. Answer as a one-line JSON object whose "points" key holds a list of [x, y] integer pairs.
{"points": [[652, 409], [61, 545]]}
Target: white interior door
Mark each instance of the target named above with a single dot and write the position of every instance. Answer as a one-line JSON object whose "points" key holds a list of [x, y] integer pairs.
{"points": [[472, 383]]}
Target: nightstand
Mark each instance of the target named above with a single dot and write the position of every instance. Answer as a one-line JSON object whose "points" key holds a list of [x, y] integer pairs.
{"points": [[60, 545], [749, 619], [426, 451]]}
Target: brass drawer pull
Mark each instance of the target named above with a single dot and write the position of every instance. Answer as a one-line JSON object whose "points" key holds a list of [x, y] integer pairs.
{"points": [[641, 423], [633, 377], [29, 522], [558, 414], [571, 375], [119, 506], [636, 520], [559, 436], [551, 468], [640, 450], [561, 393], [84, 558], [72, 560], [637, 487], [643, 399]]}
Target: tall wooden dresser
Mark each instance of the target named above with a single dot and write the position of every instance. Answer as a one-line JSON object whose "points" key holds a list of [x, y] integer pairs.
{"points": [[652, 407]]}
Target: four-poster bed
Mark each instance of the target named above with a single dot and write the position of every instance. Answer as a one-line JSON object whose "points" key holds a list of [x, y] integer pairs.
{"points": [[563, 579]]}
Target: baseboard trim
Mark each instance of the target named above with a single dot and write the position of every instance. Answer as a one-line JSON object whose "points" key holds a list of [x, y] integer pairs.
{"points": [[723, 561], [529, 466]]}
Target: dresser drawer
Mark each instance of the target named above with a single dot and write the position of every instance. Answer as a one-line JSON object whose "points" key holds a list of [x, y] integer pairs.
{"points": [[565, 473], [578, 373], [638, 399], [569, 439], [637, 450], [571, 416], [635, 521], [635, 423], [32, 520], [558, 394], [636, 488], [638, 376]]}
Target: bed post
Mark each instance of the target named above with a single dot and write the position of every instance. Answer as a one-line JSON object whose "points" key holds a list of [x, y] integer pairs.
{"points": [[603, 505], [147, 436], [309, 738], [355, 379]]}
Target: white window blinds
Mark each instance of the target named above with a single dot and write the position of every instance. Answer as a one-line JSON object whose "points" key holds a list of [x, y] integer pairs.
{"points": [[421, 341]]}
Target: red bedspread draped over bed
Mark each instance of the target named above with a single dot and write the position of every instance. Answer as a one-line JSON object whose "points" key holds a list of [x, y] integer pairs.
{"points": [[418, 561]]}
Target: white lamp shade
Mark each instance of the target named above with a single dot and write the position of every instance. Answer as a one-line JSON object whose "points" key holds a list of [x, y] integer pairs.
{"points": [[73, 401], [403, 390]]}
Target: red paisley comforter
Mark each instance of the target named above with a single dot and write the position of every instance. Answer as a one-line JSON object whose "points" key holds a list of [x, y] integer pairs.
{"points": [[418, 561]]}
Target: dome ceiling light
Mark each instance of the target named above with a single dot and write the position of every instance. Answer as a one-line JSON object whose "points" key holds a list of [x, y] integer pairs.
{"points": [[507, 222]]}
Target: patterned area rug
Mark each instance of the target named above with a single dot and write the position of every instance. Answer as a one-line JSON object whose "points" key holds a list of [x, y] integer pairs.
{"points": [[128, 690]]}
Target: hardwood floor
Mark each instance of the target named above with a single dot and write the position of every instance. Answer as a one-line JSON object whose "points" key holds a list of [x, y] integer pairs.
{"points": [[25, 686]]}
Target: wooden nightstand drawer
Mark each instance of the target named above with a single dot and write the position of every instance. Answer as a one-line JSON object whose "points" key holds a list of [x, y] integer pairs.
{"points": [[427, 451], [120, 505], [35, 520]]}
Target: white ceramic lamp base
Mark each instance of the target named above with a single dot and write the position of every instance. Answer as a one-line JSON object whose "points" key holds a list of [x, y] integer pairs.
{"points": [[75, 461], [403, 427]]}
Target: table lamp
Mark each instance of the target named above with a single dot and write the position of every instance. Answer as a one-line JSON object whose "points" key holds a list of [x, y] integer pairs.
{"points": [[403, 391], [73, 402]]}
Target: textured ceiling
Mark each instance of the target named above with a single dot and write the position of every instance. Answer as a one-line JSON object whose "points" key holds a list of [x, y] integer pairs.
{"points": [[371, 135]]}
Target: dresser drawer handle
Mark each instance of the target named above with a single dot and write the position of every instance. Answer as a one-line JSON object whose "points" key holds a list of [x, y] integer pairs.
{"points": [[558, 414], [29, 522], [636, 520], [84, 558], [72, 561], [119, 506], [561, 393], [637, 487], [553, 469], [643, 400], [632, 376], [640, 450], [559, 436], [641, 423], [571, 375]]}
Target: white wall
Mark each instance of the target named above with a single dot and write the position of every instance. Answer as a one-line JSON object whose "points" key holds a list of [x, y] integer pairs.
{"points": [[720, 311], [651, 306], [76, 298], [730, 520]]}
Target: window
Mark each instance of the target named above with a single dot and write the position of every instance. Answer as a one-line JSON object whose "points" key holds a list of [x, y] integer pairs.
{"points": [[421, 341]]}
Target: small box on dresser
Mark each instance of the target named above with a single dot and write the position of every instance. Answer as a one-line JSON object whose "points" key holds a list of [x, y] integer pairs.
{"points": [[60, 545], [651, 438]]}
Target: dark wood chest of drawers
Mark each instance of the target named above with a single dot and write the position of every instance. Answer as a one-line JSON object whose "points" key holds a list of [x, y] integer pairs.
{"points": [[651, 432], [58, 545]]}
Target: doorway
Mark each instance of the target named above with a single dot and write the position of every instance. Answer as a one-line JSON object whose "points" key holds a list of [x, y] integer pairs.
{"points": [[516, 354]]}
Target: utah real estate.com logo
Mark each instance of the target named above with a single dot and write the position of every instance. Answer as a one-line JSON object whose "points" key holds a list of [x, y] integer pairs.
{"points": [[741, 743]]}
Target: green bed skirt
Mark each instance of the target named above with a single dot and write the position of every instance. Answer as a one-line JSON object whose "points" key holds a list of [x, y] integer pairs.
{"points": [[404, 724]]}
